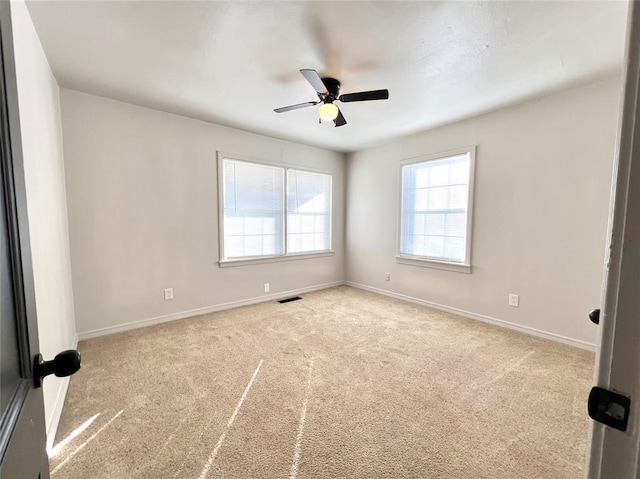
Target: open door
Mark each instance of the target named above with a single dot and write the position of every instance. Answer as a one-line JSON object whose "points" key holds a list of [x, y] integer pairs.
{"points": [[22, 426], [614, 448], [22, 430]]}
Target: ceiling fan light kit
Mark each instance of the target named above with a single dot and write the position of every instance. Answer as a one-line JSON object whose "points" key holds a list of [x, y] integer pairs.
{"points": [[328, 90], [329, 112]]}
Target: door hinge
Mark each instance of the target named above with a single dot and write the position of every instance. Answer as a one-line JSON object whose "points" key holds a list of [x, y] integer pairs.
{"points": [[609, 408]]}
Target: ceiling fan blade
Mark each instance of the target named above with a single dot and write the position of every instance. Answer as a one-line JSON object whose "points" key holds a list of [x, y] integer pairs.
{"points": [[314, 80], [365, 96], [339, 121], [295, 107]]}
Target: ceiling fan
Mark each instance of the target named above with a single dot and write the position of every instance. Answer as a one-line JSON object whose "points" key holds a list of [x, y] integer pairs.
{"points": [[328, 90]]}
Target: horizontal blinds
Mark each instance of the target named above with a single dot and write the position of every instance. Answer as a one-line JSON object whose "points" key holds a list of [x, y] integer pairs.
{"points": [[308, 211], [253, 209], [434, 208]]}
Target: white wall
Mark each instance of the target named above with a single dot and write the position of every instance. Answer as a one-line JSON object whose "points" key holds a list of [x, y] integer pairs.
{"points": [[142, 199], [543, 176], [39, 105], [143, 214]]}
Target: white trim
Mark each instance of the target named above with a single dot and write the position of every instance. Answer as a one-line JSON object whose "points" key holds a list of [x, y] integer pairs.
{"points": [[439, 155], [613, 453], [54, 421], [432, 263], [206, 310], [271, 297], [221, 154], [480, 317], [468, 150], [220, 173], [274, 259]]}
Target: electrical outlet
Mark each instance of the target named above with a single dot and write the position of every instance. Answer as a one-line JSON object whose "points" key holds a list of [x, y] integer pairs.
{"points": [[168, 294], [387, 277], [266, 287], [514, 300]]}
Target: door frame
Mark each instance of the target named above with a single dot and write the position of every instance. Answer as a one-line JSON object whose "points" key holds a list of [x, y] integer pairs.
{"points": [[613, 453]]}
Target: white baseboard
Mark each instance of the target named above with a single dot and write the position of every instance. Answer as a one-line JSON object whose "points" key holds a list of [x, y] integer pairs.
{"points": [[271, 297], [54, 421], [486, 319], [196, 312]]}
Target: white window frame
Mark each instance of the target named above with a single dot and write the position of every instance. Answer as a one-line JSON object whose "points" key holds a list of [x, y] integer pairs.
{"points": [[286, 211], [224, 263], [424, 261]]}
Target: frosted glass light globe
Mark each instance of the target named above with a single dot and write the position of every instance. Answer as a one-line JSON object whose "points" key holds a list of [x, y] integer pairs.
{"points": [[328, 112]]}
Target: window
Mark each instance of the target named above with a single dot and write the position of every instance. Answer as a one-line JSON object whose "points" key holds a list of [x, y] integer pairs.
{"points": [[435, 222], [252, 209], [308, 211], [254, 198]]}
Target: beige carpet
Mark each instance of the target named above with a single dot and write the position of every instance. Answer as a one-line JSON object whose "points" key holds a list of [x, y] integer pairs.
{"points": [[341, 384]]}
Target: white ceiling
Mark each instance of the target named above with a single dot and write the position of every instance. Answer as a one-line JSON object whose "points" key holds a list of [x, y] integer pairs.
{"points": [[233, 62]]}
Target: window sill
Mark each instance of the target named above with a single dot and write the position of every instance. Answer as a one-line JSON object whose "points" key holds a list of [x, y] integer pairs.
{"points": [[274, 259], [431, 263]]}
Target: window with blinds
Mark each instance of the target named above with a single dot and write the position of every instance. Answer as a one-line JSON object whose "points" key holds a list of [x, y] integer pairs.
{"points": [[253, 209], [256, 197], [308, 211], [435, 209]]}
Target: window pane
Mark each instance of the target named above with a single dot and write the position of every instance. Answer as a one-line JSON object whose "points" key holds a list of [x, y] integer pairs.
{"points": [[308, 211], [234, 247], [434, 246], [459, 172], [421, 197], [293, 243], [454, 248], [270, 224], [306, 243], [293, 224], [438, 174], [420, 223], [229, 185], [435, 224], [252, 198], [233, 225], [456, 225], [307, 224], [458, 196], [422, 177], [417, 245], [438, 198], [269, 242], [435, 196], [252, 245]]}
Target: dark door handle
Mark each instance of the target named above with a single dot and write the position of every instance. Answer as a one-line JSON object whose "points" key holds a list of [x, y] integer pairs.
{"points": [[594, 316], [64, 364]]}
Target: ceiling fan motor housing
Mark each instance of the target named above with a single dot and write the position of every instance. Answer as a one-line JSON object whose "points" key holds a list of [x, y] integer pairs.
{"points": [[333, 88]]}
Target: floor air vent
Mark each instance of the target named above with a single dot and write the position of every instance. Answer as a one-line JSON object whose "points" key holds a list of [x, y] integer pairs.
{"points": [[295, 298]]}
